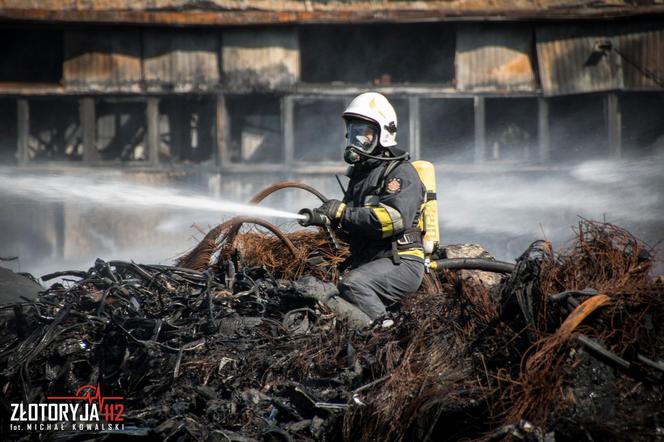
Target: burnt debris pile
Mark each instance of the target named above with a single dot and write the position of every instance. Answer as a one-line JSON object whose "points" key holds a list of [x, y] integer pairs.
{"points": [[236, 343]]}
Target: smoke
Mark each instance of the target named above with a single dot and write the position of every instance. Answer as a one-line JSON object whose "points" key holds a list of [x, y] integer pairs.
{"points": [[504, 210], [507, 210]]}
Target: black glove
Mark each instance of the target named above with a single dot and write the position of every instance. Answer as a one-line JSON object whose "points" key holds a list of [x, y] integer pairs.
{"points": [[333, 209]]}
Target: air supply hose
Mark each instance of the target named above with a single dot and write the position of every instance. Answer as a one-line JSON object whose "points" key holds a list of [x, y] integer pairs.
{"points": [[403, 156]]}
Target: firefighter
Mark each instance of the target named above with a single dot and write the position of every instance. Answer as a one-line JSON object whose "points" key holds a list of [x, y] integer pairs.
{"points": [[380, 210]]}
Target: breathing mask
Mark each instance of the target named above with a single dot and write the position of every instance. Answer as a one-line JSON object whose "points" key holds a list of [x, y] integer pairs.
{"points": [[362, 139]]}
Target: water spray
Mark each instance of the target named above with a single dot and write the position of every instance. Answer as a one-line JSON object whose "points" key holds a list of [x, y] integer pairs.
{"points": [[77, 189]]}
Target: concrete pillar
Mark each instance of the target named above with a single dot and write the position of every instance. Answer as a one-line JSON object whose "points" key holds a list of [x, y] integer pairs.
{"points": [[59, 229], [480, 129], [414, 127], [23, 130], [614, 124], [223, 127], [88, 121], [543, 130], [288, 129], [152, 119]]}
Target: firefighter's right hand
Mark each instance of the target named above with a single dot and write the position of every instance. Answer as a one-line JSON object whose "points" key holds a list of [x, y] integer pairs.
{"points": [[333, 209], [313, 218]]}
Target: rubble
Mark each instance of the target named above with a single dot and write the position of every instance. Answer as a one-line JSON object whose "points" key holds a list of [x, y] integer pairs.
{"points": [[455, 251], [238, 342], [16, 286]]}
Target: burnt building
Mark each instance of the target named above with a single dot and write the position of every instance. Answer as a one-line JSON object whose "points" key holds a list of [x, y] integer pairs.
{"points": [[214, 92]]}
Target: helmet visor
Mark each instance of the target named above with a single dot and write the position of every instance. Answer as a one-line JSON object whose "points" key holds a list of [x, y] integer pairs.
{"points": [[362, 135]]}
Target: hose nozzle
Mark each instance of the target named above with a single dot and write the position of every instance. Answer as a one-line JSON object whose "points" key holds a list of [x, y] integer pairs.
{"points": [[312, 218]]}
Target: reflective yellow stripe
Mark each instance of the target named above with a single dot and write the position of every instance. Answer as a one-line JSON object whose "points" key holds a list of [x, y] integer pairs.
{"points": [[385, 221], [413, 252], [340, 210], [397, 221]]}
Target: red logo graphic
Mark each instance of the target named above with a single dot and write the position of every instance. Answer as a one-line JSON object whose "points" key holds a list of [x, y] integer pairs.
{"points": [[394, 185], [113, 412]]}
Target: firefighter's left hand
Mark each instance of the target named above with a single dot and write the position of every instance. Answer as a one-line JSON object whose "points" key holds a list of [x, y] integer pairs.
{"points": [[333, 209]]}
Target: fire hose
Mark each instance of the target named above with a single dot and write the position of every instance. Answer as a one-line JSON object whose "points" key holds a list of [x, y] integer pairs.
{"points": [[486, 265]]}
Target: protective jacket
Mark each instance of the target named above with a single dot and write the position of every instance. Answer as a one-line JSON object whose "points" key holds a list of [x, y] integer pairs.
{"points": [[384, 200]]}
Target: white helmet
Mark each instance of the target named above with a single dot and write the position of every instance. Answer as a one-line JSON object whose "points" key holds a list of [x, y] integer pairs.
{"points": [[375, 108]]}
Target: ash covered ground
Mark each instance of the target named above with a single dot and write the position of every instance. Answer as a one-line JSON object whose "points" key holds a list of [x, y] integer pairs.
{"points": [[237, 342]]}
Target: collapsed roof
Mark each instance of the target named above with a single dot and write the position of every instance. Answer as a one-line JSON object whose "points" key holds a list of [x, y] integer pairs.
{"points": [[252, 12]]}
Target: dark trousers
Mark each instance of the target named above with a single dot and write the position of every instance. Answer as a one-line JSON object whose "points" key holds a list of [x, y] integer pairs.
{"points": [[380, 283]]}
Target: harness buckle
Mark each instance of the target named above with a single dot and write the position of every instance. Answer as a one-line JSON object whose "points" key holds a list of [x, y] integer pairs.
{"points": [[406, 239]]}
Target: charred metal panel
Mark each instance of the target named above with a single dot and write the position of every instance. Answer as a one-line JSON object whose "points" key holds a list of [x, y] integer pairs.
{"points": [[331, 53], [495, 58], [260, 58], [181, 60], [575, 59], [31, 56], [599, 57], [641, 49], [109, 60]]}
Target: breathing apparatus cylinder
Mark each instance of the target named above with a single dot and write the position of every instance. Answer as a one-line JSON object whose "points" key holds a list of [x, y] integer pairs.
{"points": [[429, 215]]}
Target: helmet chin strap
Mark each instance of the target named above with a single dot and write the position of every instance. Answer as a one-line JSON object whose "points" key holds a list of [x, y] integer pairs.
{"points": [[403, 156]]}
